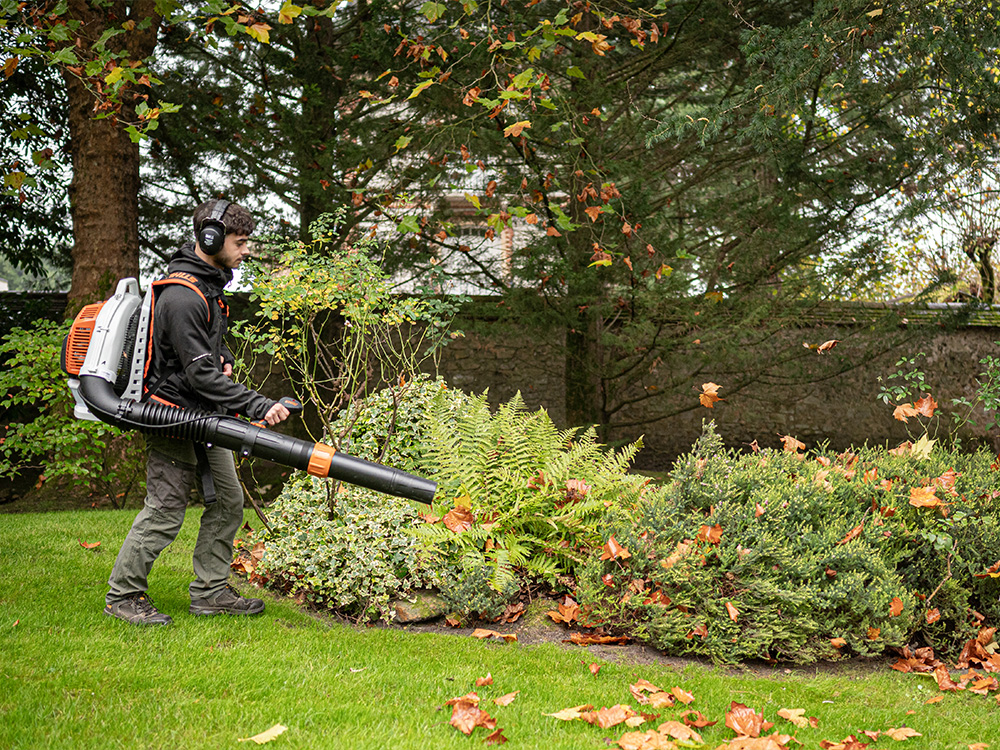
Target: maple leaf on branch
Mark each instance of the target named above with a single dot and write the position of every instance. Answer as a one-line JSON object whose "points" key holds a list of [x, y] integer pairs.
{"points": [[516, 128], [925, 406], [903, 412]]}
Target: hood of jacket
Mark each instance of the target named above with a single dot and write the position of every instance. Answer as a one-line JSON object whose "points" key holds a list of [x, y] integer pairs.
{"points": [[186, 260]]}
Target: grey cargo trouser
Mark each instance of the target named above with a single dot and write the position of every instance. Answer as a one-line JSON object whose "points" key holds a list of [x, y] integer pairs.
{"points": [[170, 474]]}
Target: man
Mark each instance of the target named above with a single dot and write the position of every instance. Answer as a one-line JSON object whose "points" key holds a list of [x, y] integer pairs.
{"points": [[191, 367]]}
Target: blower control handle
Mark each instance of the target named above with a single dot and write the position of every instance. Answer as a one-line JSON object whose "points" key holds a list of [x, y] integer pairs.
{"points": [[293, 405]]}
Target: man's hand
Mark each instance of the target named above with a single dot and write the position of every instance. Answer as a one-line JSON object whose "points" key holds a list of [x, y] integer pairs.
{"points": [[277, 413]]}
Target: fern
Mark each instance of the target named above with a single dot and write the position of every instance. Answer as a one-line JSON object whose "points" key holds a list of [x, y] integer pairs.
{"points": [[538, 494]]}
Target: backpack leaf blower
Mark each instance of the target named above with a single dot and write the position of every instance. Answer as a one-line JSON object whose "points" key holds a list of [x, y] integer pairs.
{"points": [[104, 355]]}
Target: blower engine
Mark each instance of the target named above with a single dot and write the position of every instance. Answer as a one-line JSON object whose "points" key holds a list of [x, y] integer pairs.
{"points": [[104, 355]]}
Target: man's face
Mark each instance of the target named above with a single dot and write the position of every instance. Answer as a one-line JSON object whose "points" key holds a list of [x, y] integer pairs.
{"points": [[234, 251]]}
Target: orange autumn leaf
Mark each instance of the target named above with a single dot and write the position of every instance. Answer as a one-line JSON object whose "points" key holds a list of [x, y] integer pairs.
{"points": [[853, 533], [459, 519], [791, 445], [903, 412], [90, 545], [487, 680], [838, 642], [614, 551], [895, 607], [874, 633], [496, 738], [516, 128], [710, 534], [682, 695], [697, 719], [733, 612], [744, 720], [609, 717], [593, 212], [932, 616], [924, 497], [934, 699], [709, 394], [679, 731], [925, 406], [506, 700], [902, 733], [482, 633], [640, 688]]}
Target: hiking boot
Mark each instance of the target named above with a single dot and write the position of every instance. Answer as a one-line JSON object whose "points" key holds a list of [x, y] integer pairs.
{"points": [[138, 610], [228, 601]]}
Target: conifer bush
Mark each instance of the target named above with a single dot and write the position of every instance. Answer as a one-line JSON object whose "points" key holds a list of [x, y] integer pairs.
{"points": [[780, 555]]}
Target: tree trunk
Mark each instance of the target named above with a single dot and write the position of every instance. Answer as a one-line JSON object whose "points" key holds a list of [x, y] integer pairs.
{"points": [[104, 191]]}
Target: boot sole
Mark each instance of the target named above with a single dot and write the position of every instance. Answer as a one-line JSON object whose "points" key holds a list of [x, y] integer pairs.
{"points": [[140, 623], [212, 611]]}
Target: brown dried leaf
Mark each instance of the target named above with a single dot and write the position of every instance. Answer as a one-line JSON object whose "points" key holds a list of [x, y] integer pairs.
{"points": [[609, 717], [699, 720], [902, 733], [744, 720], [679, 731], [733, 612], [614, 551], [459, 519], [682, 695], [506, 700], [483, 681], [492, 634], [496, 738], [710, 534], [895, 607], [466, 716]]}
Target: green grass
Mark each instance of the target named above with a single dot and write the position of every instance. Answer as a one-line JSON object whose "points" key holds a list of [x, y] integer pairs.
{"points": [[71, 677]]}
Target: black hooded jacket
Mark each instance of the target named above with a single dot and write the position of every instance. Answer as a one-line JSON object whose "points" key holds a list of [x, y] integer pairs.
{"points": [[188, 347]]}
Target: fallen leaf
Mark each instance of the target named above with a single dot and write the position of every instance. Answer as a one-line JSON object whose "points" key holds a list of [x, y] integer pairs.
{"points": [[874, 633], [794, 715], [608, 717], [838, 642], [585, 639], [496, 738], [924, 497], [902, 733], [895, 607], [614, 551], [640, 688], [89, 545], [506, 700], [744, 720], [650, 740], [932, 616], [979, 746], [770, 742], [466, 716], [571, 714], [484, 633], [853, 533], [459, 519], [267, 736], [710, 534], [733, 612], [791, 445], [682, 695], [934, 699], [943, 679], [487, 680], [699, 720], [594, 668], [679, 731]]}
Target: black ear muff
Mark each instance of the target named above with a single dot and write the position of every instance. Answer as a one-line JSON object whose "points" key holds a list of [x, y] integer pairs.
{"points": [[212, 232]]}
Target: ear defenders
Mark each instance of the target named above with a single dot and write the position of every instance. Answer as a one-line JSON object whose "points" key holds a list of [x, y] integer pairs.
{"points": [[212, 232]]}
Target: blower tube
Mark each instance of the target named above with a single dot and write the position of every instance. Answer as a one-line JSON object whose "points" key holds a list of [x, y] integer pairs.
{"points": [[249, 440]]}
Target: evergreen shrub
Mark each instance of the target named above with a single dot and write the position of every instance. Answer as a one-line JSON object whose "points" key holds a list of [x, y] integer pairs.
{"points": [[351, 553], [779, 555]]}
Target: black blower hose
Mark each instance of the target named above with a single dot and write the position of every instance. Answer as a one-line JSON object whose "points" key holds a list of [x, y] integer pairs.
{"points": [[249, 440]]}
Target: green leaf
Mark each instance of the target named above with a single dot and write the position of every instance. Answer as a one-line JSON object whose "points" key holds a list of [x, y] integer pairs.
{"points": [[403, 141], [575, 72], [432, 10], [420, 87], [409, 224]]}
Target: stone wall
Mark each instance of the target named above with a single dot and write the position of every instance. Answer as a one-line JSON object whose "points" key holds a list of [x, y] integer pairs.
{"points": [[831, 397]]}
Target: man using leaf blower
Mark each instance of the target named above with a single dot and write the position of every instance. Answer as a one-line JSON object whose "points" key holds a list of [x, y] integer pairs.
{"points": [[190, 366]]}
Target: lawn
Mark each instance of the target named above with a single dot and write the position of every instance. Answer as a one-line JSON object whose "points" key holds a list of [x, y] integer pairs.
{"points": [[72, 677]]}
